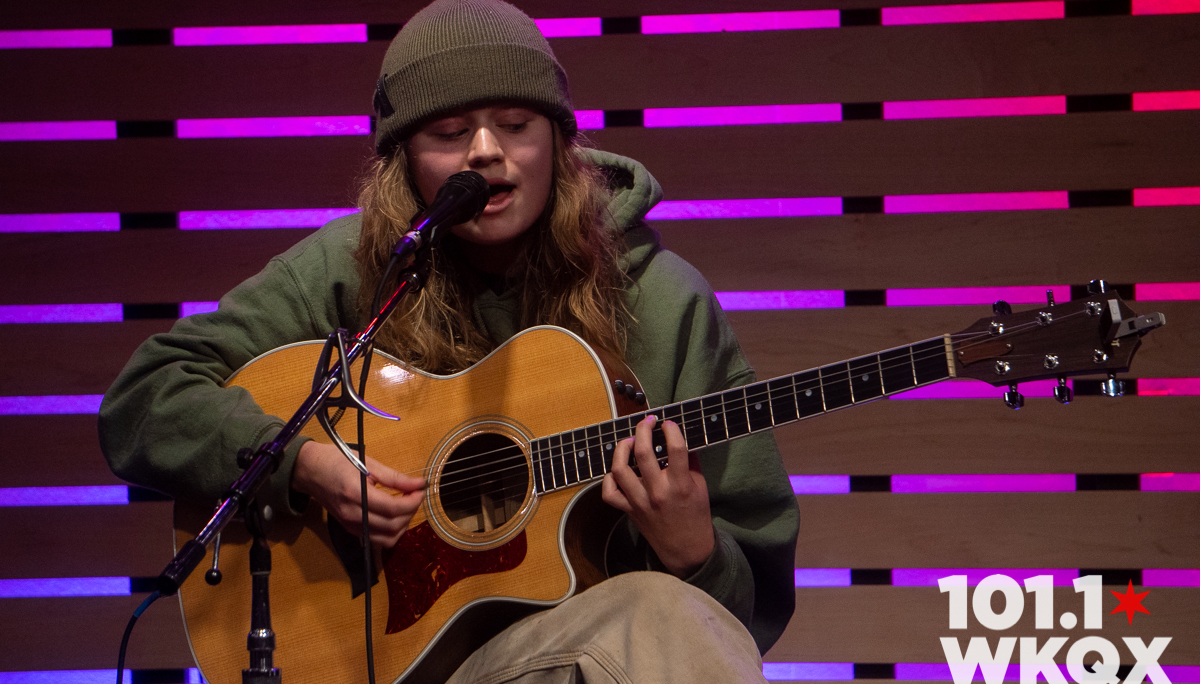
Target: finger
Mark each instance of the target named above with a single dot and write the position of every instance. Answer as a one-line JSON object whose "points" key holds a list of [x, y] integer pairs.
{"points": [[654, 479], [393, 479], [677, 454], [394, 505], [613, 496], [624, 477]]}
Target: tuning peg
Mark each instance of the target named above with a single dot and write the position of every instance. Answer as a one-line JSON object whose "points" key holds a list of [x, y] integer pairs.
{"points": [[1049, 297], [1112, 387], [1062, 393], [1012, 398], [1001, 308], [1097, 287]]}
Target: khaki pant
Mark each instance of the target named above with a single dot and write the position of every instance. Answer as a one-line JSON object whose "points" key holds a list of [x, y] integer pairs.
{"points": [[638, 628]]}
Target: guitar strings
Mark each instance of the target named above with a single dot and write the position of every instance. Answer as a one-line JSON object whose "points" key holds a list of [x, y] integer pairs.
{"points": [[762, 392], [969, 340]]}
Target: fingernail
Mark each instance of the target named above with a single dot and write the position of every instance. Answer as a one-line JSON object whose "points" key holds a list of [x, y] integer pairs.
{"points": [[652, 418]]}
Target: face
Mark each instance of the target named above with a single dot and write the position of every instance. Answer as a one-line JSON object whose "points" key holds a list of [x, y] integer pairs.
{"points": [[511, 147]]}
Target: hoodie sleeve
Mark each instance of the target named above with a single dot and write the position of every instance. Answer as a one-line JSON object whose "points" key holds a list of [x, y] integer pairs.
{"points": [[683, 347], [169, 424]]}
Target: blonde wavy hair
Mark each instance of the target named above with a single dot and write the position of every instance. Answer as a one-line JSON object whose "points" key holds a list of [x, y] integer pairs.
{"points": [[567, 273]]}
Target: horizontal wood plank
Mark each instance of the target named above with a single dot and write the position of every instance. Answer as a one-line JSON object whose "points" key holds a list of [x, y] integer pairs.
{"points": [[1076, 152], [778, 342], [52, 451], [85, 633], [132, 267], [1084, 152], [856, 252], [46, 358], [904, 624], [987, 530], [985, 436], [97, 541], [1028, 530], [961, 249], [885, 437], [69, 358], [864, 64]]}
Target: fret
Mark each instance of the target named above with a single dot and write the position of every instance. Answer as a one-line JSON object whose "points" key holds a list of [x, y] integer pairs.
{"points": [[583, 467], [865, 382], [897, 370], [556, 462], [587, 453], [758, 406], [714, 419], [782, 399], [809, 398], [835, 385], [693, 419], [658, 442], [537, 449], [929, 361], [595, 451], [608, 438], [737, 421]]}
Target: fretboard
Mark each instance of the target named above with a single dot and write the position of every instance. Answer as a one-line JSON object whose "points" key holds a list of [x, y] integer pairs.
{"points": [[586, 454]]}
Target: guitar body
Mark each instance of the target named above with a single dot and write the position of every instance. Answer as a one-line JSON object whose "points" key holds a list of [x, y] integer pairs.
{"points": [[483, 546]]}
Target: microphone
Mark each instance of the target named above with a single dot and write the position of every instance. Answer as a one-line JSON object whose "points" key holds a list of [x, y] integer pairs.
{"points": [[460, 199]]}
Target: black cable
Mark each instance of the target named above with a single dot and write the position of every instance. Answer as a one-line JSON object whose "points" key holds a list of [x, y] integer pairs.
{"points": [[366, 537], [129, 630]]}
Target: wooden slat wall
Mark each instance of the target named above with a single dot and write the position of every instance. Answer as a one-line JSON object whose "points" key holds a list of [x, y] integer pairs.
{"points": [[865, 624]]}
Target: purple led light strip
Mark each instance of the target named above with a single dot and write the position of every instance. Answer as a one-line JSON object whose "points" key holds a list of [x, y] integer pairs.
{"points": [[983, 483], [800, 672], [103, 495], [685, 210], [270, 35], [64, 586], [50, 404], [971, 13], [66, 38], [60, 313], [569, 27], [59, 223], [740, 21], [260, 218], [273, 127], [66, 677], [58, 130]]}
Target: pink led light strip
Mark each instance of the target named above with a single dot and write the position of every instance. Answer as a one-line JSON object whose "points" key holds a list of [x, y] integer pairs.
{"points": [[592, 26]]}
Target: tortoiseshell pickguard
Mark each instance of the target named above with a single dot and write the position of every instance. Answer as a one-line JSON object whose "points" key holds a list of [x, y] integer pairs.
{"points": [[422, 567]]}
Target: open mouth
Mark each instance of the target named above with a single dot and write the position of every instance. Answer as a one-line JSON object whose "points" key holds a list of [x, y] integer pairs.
{"points": [[499, 192]]}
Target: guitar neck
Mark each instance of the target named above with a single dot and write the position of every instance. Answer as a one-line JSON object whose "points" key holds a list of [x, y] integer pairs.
{"points": [[579, 456]]}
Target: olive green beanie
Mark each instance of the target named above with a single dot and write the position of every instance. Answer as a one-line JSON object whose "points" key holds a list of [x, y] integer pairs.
{"points": [[456, 53]]}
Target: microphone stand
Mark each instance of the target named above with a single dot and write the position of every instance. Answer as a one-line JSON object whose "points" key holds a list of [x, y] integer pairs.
{"points": [[265, 461]]}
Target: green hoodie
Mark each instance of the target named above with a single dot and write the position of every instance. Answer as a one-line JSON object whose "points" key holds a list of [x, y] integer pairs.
{"points": [[167, 422]]}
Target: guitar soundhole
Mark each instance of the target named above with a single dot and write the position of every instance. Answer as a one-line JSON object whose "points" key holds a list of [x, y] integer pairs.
{"points": [[483, 483]]}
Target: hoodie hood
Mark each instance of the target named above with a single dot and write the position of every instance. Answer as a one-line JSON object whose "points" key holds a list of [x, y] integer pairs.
{"points": [[634, 194]]}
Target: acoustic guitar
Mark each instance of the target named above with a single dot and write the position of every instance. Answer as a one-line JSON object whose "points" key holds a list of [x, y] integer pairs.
{"points": [[513, 449]]}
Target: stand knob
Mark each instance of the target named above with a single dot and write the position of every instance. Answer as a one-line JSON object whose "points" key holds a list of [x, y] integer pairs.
{"points": [[1001, 308], [1062, 393], [1013, 399], [213, 576]]}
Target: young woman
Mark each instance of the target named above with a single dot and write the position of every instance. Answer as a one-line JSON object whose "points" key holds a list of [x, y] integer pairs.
{"points": [[472, 85]]}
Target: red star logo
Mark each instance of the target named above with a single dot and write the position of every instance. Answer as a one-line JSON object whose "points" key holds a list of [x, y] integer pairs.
{"points": [[1130, 602]]}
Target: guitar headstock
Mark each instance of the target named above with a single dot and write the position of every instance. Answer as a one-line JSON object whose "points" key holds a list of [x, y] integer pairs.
{"points": [[1096, 334]]}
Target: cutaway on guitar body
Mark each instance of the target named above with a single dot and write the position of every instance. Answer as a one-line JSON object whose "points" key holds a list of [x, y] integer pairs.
{"points": [[486, 548]]}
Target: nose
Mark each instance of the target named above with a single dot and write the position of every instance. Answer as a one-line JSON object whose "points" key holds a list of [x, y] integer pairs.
{"points": [[485, 149]]}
